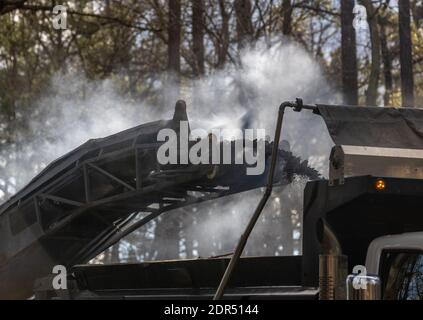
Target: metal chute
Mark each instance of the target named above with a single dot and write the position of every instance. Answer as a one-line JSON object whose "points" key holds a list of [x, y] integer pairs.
{"points": [[88, 199]]}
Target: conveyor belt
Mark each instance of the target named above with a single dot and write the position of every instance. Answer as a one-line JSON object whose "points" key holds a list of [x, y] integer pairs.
{"points": [[84, 201]]}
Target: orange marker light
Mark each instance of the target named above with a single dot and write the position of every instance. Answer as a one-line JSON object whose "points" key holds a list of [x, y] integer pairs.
{"points": [[380, 184]]}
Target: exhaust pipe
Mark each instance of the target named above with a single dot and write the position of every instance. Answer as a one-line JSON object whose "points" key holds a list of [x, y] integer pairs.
{"points": [[333, 267]]}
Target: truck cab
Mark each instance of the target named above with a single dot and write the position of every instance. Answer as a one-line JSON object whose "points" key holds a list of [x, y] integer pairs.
{"points": [[397, 261]]}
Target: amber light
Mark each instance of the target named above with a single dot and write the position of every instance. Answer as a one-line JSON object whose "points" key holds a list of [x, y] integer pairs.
{"points": [[380, 184]]}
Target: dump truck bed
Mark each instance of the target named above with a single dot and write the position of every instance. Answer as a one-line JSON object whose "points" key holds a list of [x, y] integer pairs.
{"points": [[256, 277]]}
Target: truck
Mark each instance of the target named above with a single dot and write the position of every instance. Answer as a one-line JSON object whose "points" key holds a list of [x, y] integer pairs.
{"points": [[362, 225]]}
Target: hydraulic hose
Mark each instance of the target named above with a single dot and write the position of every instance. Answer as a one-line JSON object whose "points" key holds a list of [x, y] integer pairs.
{"points": [[269, 187]]}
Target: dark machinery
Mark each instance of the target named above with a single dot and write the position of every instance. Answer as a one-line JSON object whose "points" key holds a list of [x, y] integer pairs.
{"points": [[87, 200]]}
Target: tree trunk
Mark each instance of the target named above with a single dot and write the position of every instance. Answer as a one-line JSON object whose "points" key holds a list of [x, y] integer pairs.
{"points": [[174, 49], [372, 89], [244, 25], [198, 35], [387, 63], [287, 17], [223, 46], [407, 80], [417, 11], [349, 54], [166, 237], [114, 254]]}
